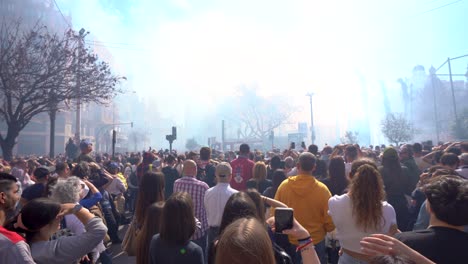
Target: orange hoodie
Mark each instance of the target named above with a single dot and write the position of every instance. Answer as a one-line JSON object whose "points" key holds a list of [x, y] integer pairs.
{"points": [[309, 199]]}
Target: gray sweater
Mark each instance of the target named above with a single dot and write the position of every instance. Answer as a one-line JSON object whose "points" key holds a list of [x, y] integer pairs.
{"points": [[72, 248]]}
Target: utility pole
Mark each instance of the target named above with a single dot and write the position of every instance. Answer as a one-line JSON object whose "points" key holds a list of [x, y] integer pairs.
{"points": [[81, 37], [312, 134], [432, 71], [454, 103]]}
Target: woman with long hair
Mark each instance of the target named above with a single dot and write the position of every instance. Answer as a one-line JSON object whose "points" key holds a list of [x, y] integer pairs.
{"points": [[336, 180], [151, 227], [397, 184], [278, 177], [360, 213], [150, 190], [40, 218], [172, 244], [259, 179], [246, 241]]}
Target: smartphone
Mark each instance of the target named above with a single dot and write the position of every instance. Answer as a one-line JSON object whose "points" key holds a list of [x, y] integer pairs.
{"points": [[303, 145], [293, 145], [284, 218]]}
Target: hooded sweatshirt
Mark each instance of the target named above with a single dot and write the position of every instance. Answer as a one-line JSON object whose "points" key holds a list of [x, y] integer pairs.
{"points": [[309, 199]]}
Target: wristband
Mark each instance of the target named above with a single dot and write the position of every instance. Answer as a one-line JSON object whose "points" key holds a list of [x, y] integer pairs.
{"points": [[301, 247], [303, 240]]}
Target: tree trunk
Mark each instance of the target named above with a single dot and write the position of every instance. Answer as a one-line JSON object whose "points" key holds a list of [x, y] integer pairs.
{"points": [[52, 117], [9, 142]]}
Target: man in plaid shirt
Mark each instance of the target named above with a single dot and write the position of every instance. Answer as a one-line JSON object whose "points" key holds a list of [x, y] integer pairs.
{"points": [[188, 183]]}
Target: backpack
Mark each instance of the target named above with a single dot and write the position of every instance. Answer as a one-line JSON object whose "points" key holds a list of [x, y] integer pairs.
{"points": [[132, 180], [207, 174]]}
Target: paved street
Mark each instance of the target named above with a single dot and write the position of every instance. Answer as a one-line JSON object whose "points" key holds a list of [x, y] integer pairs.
{"points": [[119, 257]]}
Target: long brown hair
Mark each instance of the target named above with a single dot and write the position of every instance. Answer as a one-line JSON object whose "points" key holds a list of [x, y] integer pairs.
{"points": [[367, 193], [178, 220], [151, 190], [245, 241], [150, 227]]}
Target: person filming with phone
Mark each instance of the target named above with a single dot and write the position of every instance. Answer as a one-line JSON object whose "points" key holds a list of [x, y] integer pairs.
{"points": [[309, 199]]}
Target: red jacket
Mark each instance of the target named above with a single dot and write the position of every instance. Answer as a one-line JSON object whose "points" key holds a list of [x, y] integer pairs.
{"points": [[242, 169]]}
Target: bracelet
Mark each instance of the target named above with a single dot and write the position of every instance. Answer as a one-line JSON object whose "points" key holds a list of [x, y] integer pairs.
{"points": [[301, 247], [303, 240]]}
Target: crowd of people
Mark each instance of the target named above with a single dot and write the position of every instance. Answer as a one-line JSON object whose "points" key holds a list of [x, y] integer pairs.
{"points": [[351, 204]]}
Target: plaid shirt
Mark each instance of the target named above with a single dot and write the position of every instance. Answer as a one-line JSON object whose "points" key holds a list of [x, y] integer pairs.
{"points": [[197, 190]]}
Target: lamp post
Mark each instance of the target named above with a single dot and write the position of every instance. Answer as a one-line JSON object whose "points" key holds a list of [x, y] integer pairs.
{"points": [[312, 134], [454, 103], [81, 36]]}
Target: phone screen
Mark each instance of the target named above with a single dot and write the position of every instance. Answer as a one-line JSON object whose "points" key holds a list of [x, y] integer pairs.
{"points": [[283, 219], [293, 145]]}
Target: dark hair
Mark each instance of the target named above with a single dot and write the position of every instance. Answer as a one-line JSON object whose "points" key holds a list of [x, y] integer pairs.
{"points": [[449, 159], [41, 173], [170, 158], [391, 259], [455, 150], [178, 220], [448, 199], [259, 204], [244, 149], [38, 213], [239, 205], [150, 190], [307, 161], [417, 148], [81, 170], [278, 177], [437, 155], [358, 163], [275, 162], [313, 149], [337, 174], [150, 227], [205, 153], [60, 167], [351, 152], [6, 181]]}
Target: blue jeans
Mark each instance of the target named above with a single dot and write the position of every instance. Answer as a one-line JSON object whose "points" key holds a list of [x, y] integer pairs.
{"points": [[202, 243]]}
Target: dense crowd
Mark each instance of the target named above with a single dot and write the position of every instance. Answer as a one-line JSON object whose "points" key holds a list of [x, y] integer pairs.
{"points": [[351, 204]]}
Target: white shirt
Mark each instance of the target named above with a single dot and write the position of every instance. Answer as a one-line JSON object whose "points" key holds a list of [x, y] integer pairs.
{"points": [[347, 232], [116, 187], [215, 200]]}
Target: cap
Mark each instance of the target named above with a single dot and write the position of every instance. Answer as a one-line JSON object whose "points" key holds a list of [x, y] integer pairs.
{"points": [[85, 143], [41, 173], [223, 169], [113, 165]]}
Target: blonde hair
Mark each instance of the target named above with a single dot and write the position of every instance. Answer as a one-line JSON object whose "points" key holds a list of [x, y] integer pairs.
{"points": [[259, 171], [245, 241]]}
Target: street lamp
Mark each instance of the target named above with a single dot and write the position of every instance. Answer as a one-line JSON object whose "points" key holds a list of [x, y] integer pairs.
{"points": [[312, 134]]}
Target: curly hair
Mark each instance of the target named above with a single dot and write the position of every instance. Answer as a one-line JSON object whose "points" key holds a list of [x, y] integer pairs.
{"points": [[367, 193]]}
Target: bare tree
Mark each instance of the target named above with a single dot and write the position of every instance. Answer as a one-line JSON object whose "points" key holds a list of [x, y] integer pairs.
{"points": [[40, 70], [350, 137], [258, 115], [396, 128]]}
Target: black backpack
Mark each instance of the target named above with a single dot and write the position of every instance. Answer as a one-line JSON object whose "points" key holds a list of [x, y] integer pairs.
{"points": [[133, 180]]}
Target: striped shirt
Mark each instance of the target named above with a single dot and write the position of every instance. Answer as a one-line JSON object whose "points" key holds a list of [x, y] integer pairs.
{"points": [[197, 190]]}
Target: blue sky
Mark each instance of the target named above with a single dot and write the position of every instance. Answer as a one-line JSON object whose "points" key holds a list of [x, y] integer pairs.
{"points": [[194, 48]]}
